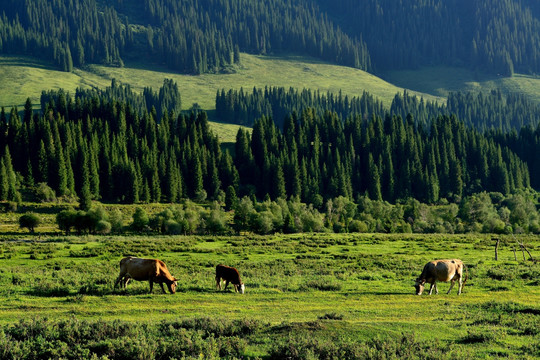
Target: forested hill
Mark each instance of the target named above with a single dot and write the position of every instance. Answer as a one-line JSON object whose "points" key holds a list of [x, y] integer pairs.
{"points": [[95, 147], [196, 36], [191, 36], [501, 36]]}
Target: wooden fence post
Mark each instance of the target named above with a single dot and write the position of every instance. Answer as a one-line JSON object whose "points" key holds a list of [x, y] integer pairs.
{"points": [[497, 249]]}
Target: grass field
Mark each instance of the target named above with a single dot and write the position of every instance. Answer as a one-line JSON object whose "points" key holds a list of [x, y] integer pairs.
{"points": [[307, 295], [439, 81]]}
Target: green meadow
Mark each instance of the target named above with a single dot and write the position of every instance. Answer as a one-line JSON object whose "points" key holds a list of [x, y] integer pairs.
{"points": [[440, 80], [307, 296]]}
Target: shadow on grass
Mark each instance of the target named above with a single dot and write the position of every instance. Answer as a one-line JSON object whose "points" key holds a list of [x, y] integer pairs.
{"points": [[18, 60]]}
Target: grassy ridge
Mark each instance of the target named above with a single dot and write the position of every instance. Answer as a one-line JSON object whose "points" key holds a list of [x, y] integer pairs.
{"points": [[440, 80], [361, 283]]}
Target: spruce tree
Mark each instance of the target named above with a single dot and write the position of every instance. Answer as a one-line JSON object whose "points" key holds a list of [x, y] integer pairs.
{"points": [[85, 196], [13, 193], [374, 182], [4, 181]]}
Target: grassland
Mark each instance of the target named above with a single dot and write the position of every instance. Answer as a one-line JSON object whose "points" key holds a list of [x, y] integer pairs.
{"points": [[307, 295], [439, 81]]}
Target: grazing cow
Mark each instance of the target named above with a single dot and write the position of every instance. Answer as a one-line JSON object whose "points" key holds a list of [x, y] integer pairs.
{"points": [[153, 270], [229, 274], [441, 270]]}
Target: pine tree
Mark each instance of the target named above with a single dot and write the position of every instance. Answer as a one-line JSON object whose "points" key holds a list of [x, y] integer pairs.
{"points": [[4, 181], [62, 179], [231, 200], [13, 193], [374, 184], [85, 196], [43, 163]]}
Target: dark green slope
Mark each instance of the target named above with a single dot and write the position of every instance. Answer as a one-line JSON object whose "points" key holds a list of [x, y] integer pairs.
{"points": [[198, 36], [500, 36]]}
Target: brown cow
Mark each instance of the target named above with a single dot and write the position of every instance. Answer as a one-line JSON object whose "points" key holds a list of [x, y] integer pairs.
{"points": [[153, 270], [229, 274], [441, 270]]}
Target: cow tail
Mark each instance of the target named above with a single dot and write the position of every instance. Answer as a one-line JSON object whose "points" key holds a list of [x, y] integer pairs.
{"points": [[466, 274]]}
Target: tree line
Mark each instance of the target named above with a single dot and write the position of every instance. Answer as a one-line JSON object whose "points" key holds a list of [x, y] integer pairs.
{"points": [[483, 111], [109, 147], [320, 157], [481, 213], [166, 99], [103, 149], [244, 107]]}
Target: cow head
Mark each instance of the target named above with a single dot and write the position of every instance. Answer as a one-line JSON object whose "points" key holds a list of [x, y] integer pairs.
{"points": [[240, 288], [419, 286], [172, 286]]}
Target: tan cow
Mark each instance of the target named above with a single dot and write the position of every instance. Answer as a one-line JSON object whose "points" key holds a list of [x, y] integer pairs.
{"points": [[441, 270], [153, 270], [229, 274]]}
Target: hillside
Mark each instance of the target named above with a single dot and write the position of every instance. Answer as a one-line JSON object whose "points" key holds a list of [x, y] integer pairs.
{"points": [[203, 36], [26, 77]]}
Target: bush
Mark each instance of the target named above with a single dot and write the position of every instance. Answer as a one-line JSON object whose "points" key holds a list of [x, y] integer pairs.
{"points": [[358, 226], [29, 221], [66, 219], [140, 220], [103, 227], [44, 193], [117, 219], [216, 222]]}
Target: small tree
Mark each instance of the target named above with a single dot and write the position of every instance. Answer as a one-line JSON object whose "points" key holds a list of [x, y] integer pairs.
{"points": [[29, 221], [66, 220], [140, 220], [231, 200]]}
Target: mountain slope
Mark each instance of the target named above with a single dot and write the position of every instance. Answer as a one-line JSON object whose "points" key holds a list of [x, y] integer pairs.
{"points": [[207, 36]]}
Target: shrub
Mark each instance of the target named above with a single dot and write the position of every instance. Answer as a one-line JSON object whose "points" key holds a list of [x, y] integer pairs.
{"points": [[358, 226], [44, 193], [103, 227], [117, 219], [66, 220], [29, 221], [216, 221], [140, 220]]}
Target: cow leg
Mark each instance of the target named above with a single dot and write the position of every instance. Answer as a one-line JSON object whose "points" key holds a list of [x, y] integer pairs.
{"points": [[218, 283], [120, 277], [151, 281], [162, 288], [226, 284], [460, 287], [126, 281], [433, 286], [451, 286]]}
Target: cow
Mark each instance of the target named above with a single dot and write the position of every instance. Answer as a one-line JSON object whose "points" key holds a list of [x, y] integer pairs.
{"points": [[441, 270], [153, 270], [229, 274]]}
